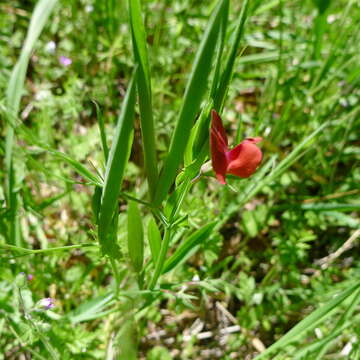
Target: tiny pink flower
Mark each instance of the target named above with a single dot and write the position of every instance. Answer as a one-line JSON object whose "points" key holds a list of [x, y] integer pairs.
{"points": [[65, 61], [46, 303]]}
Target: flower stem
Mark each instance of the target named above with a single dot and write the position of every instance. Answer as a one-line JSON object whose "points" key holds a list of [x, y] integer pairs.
{"points": [[116, 275], [161, 259], [41, 251]]}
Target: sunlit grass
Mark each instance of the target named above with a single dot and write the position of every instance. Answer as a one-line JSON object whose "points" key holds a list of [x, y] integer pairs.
{"points": [[108, 197]]}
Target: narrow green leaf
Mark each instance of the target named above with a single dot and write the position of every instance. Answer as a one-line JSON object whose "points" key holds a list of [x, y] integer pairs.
{"points": [[322, 344], [115, 168], [15, 88], [14, 93], [80, 168], [135, 239], [100, 120], [200, 132], [266, 6], [259, 58], [229, 67], [220, 50], [154, 237], [38, 20], [220, 84], [194, 93], [310, 322], [331, 207], [144, 91], [188, 247], [96, 202], [161, 258], [175, 200], [91, 308]]}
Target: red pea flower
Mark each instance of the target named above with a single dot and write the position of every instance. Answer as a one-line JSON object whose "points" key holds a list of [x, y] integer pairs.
{"points": [[240, 161]]}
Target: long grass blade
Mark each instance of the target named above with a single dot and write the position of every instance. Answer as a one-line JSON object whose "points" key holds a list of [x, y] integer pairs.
{"points": [[154, 238], [194, 93], [115, 167], [310, 322], [221, 83], [101, 123], [144, 91], [14, 92], [229, 67], [135, 238], [188, 247]]}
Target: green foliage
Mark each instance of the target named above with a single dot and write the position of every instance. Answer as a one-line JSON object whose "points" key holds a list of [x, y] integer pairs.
{"points": [[154, 237], [194, 93], [262, 268], [135, 235], [115, 167], [144, 92]]}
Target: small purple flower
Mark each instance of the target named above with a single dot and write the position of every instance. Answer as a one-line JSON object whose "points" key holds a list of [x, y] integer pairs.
{"points": [[30, 277], [65, 61], [46, 303]]}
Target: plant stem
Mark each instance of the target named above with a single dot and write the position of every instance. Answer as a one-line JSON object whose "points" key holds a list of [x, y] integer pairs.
{"points": [[161, 259], [40, 251], [117, 276]]}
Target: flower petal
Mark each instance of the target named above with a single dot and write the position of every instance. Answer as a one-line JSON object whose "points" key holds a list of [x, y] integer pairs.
{"points": [[218, 129], [218, 147], [244, 158]]}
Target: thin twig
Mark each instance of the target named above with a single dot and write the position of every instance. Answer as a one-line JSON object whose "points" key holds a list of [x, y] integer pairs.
{"points": [[348, 244]]}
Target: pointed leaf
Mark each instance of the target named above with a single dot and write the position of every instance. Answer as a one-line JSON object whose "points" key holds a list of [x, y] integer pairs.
{"points": [[135, 237], [154, 237], [194, 93], [144, 90], [188, 247], [115, 168], [310, 322]]}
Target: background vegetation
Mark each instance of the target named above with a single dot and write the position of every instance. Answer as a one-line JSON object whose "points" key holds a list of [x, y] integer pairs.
{"points": [[247, 261]]}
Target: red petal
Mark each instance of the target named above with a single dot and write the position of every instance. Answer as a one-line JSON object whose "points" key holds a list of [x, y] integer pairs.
{"points": [[244, 158], [217, 127], [218, 147]]}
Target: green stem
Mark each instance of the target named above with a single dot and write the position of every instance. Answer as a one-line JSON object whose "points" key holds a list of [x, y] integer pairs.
{"points": [[161, 259], [36, 329], [117, 276], [40, 251]]}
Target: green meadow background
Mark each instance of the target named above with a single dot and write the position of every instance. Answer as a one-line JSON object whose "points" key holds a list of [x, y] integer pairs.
{"points": [[109, 206]]}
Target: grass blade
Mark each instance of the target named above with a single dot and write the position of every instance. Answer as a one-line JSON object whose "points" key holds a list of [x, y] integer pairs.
{"points": [[80, 168], [100, 120], [88, 310], [220, 87], [229, 67], [115, 167], [194, 93], [154, 237], [186, 249], [135, 239], [144, 91], [310, 322], [14, 92]]}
